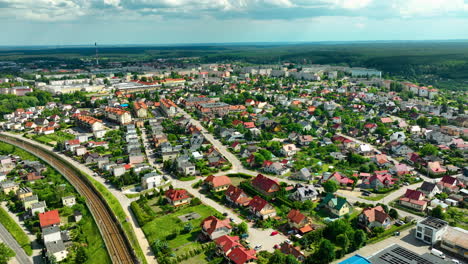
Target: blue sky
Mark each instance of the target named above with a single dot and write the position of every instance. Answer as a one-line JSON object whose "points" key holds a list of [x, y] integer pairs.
{"points": [[68, 22]]}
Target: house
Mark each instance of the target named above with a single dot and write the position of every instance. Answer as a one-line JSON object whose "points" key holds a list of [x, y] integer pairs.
{"points": [[303, 174], [118, 115], [413, 199], [151, 180], [374, 217], [448, 184], [290, 249], [225, 244], [77, 215], [237, 196], [398, 137], [435, 168], [304, 193], [141, 109], [57, 250], [177, 197], [51, 234], [337, 206], [69, 201], [9, 186], [289, 150], [38, 207], [278, 168], [430, 230], [241, 255], [90, 123], [261, 208], [304, 140], [381, 160], [118, 170], [70, 145], [24, 192], [379, 180], [213, 228], [217, 183], [429, 189], [49, 218], [28, 201], [80, 151], [400, 169], [297, 220], [338, 178], [265, 185]]}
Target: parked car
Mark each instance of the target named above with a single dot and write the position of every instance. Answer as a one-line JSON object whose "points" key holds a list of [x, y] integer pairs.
{"points": [[258, 247], [288, 241], [274, 233], [437, 253], [366, 194], [399, 223], [396, 233]]}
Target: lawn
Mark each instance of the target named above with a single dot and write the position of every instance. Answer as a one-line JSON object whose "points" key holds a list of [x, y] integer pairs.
{"points": [[15, 230], [236, 180], [58, 136], [161, 227], [202, 259], [6, 149], [96, 249]]}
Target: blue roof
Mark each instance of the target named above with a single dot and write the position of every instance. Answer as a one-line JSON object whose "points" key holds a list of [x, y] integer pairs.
{"points": [[124, 105], [356, 259]]}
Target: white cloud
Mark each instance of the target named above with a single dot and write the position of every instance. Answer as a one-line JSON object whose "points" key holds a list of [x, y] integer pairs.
{"points": [[408, 8]]}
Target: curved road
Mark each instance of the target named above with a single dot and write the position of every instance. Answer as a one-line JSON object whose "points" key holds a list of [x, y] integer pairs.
{"points": [[117, 244]]}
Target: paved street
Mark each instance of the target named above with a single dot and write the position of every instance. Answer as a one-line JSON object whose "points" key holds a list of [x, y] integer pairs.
{"points": [[6, 238], [124, 201]]}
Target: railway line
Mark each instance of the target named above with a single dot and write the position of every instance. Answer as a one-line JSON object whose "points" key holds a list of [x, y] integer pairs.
{"points": [[118, 246]]}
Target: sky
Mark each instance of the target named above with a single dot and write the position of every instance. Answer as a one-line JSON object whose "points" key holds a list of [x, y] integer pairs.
{"points": [[83, 22]]}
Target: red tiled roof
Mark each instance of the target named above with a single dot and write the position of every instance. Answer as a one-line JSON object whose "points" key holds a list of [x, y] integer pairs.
{"points": [[211, 223], [264, 183], [73, 142], [176, 195], [237, 195], [257, 203], [49, 218], [413, 194], [227, 242], [449, 180], [296, 216], [217, 181], [375, 214], [240, 255]]}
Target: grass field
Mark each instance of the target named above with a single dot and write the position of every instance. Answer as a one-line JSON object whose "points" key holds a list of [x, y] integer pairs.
{"points": [[16, 231], [161, 227], [58, 136], [96, 249], [10, 149]]}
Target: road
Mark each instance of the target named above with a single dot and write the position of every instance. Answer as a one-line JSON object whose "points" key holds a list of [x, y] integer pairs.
{"points": [[21, 256], [119, 248]]}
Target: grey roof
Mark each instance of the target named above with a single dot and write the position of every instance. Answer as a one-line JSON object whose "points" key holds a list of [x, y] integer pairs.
{"points": [[56, 246], [427, 186], [50, 230], [31, 198], [307, 191], [397, 254], [434, 222], [40, 204]]}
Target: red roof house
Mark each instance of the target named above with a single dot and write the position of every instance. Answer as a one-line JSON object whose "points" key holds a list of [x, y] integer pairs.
{"points": [[217, 183], [265, 185], [240, 255], [213, 228], [237, 196], [49, 218], [227, 243], [177, 197]]}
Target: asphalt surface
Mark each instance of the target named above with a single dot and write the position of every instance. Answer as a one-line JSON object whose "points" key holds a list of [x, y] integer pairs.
{"points": [[6, 237]]}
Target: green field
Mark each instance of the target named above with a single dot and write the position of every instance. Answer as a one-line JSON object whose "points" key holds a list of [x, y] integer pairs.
{"points": [[161, 227], [58, 136], [16, 231]]}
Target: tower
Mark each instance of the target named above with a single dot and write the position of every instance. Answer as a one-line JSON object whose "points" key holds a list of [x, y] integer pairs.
{"points": [[97, 58]]}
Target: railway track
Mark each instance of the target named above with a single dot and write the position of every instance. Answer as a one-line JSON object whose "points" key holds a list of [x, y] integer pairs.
{"points": [[118, 246]]}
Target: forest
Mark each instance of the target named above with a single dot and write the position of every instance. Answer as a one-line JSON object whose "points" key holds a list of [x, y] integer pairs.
{"points": [[443, 64]]}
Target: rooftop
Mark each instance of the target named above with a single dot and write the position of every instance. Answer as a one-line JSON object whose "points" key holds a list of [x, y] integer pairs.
{"points": [[434, 222], [396, 254]]}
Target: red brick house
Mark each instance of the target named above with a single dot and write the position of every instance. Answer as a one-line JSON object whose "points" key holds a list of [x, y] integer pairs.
{"points": [[237, 196], [49, 218], [265, 185], [178, 197]]}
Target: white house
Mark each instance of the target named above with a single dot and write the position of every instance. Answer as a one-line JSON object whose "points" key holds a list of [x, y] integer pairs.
{"points": [[151, 180], [51, 234], [56, 249], [68, 201], [430, 230]]}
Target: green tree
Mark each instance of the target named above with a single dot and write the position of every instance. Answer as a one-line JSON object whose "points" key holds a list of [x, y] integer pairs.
{"points": [[330, 186], [360, 238], [326, 252], [438, 212], [429, 150], [242, 228], [422, 121], [393, 213], [343, 241], [5, 253], [81, 256]]}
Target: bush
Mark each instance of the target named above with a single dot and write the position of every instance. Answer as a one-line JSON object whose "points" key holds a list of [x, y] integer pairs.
{"points": [[142, 216]]}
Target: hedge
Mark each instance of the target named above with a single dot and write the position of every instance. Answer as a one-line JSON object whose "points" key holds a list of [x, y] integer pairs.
{"points": [[15, 230]]}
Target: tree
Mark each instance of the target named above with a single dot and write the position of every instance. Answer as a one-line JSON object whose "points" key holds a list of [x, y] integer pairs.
{"points": [[422, 121], [81, 256], [330, 186], [360, 238], [242, 228], [378, 230], [438, 212], [326, 252], [5, 253], [343, 241], [393, 213], [429, 150]]}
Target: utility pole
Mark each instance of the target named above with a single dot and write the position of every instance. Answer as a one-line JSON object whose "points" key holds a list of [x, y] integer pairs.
{"points": [[97, 58]]}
